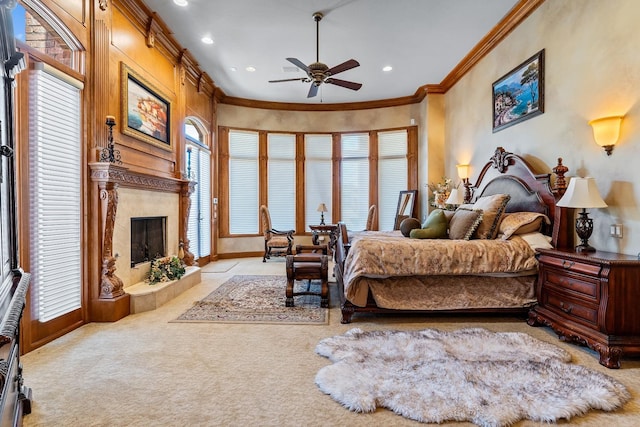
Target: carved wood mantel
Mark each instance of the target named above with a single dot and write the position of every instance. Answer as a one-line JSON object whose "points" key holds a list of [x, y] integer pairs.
{"points": [[110, 177]]}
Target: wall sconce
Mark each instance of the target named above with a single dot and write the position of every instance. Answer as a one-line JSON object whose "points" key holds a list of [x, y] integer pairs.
{"points": [[463, 173], [606, 131], [322, 208]]}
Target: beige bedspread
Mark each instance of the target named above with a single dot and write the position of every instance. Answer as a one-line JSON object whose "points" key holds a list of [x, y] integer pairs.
{"points": [[390, 254]]}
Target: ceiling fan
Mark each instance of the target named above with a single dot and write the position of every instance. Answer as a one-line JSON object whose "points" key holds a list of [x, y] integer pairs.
{"points": [[318, 73]]}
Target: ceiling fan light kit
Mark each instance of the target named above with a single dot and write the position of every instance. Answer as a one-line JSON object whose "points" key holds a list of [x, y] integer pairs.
{"points": [[319, 73]]}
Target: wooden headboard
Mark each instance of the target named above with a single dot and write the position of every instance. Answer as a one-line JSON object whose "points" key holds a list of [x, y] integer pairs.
{"points": [[508, 173]]}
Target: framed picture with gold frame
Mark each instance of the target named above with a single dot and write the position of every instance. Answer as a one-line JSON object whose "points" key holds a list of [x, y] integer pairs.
{"points": [[146, 113]]}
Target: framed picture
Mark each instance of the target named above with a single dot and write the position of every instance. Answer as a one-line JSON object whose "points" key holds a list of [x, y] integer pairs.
{"points": [[146, 113], [519, 94]]}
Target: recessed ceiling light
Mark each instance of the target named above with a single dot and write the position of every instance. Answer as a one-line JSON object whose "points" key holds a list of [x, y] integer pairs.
{"points": [[181, 2], [250, 69], [387, 68], [207, 40], [234, 69]]}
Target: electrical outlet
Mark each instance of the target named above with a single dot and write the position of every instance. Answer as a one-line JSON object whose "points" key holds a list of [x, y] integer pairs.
{"points": [[616, 231]]}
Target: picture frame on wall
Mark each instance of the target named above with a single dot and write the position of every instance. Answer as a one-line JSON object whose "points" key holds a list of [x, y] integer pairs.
{"points": [[146, 112], [519, 94]]}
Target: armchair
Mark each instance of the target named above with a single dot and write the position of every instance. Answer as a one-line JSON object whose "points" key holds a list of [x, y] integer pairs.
{"points": [[276, 242]]}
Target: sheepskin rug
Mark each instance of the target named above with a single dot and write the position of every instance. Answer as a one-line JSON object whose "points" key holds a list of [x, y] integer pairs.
{"points": [[487, 378]]}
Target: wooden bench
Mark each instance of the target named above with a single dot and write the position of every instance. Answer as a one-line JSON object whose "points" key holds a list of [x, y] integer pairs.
{"points": [[309, 263]]}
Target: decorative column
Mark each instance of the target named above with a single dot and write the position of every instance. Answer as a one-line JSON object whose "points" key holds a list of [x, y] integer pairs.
{"points": [[111, 286], [187, 188]]}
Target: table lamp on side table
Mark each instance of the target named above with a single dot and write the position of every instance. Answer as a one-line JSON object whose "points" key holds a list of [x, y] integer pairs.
{"points": [[582, 193], [322, 208]]}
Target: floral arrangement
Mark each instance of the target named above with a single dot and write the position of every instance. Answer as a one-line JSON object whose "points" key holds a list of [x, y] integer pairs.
{"points": [[440, 192], [165, 269]]}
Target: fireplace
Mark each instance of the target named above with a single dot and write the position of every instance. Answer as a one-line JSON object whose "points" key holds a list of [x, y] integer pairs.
{"points": [[148, 239]]}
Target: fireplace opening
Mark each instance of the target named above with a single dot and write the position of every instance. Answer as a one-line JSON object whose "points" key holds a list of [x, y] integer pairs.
{"points": [[148, 238]]}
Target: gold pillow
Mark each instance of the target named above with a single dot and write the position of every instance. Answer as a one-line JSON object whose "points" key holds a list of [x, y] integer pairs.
{"points": [[463, 223], [492, 210], [521, 223]]}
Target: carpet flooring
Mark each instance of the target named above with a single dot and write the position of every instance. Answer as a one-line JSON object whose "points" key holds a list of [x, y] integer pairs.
{"points": [[258, 299]]}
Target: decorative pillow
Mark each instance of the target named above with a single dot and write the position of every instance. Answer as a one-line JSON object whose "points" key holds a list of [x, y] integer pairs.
{"points": [[521, 223], [537, 240], [492, 210], [435, 227], [463, 223], [409, 224]]}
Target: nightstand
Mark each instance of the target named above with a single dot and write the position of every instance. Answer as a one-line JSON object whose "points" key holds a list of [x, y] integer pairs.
{"points": [[591, 299]]}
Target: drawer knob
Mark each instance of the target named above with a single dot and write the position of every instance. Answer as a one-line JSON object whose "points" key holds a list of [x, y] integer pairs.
{"points": [[567, 264], [565, 308]]}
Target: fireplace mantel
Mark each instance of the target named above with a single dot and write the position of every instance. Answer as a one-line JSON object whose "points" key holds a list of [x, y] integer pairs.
{"points": [[109, 177]]}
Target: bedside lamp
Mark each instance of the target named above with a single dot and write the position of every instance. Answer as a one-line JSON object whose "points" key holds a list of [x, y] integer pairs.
{"points": [[322, 208], [463, 173], [582, 193], [606, 132], [455, 198]]}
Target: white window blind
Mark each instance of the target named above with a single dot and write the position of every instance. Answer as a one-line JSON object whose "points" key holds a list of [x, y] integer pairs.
{"points": [[243, 182], [199, 228], [318, 151], [354, 196], [392, 175], [194, 211], [55, 196], [281, 172]]}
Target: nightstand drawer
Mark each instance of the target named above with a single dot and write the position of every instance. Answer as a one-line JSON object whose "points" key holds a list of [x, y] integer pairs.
{"points": [[571, 266], [571, 308], [583, 285]]}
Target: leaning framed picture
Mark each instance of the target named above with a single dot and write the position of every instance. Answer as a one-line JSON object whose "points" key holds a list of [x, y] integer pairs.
{"points": [[146, 113], [519, 94]]}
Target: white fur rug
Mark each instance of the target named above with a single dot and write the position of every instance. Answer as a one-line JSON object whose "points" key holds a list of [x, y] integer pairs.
{"points": [[487, 378]]}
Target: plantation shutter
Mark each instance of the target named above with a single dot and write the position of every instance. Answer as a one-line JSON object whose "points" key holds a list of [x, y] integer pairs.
{"points": [[318, 151], [281, 171], [204, 201], [194, 212], [243, 182], [55, 194], [392, 175], [354, 198]]}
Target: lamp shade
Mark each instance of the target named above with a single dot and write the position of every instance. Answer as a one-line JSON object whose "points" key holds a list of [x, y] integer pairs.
{"points": [[322, 208], [606, 130], [463, 171], [582, 193], [455, 197]]}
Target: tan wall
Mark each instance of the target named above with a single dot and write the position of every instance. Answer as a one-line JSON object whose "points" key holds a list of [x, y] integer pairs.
{"points": [[592, 71]]}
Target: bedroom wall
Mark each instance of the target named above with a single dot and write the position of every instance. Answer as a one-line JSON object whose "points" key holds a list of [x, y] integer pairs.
{"points": [[592, 70]]}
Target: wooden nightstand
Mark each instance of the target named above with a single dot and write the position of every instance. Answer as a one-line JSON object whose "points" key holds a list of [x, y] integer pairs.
{"points": [[592, 299]]}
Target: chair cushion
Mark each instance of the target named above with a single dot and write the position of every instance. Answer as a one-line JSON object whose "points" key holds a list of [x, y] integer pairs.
{"points": [[278, 242]]}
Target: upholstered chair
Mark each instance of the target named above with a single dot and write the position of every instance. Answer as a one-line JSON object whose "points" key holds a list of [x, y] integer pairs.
{"points": [[276, 243]]}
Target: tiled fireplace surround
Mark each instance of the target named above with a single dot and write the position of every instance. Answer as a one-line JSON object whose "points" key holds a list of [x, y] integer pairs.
{"points": [[124, 194]]}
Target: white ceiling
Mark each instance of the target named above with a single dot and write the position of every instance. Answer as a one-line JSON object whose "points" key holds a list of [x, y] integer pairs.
{"points": [[423, 40]]}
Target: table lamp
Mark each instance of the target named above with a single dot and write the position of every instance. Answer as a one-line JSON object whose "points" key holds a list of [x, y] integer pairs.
{"points": [[582, 193], [456, 198], [322, 208]]}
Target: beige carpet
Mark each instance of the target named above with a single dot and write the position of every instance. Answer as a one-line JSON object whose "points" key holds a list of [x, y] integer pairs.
{"points": [[145, 371]]}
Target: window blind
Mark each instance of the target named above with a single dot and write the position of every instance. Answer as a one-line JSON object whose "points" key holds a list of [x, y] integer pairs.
{"points": [[243, 182], [199, 228], [318, 151], [354, 197], [281, 175], [392, 175], [193, 226], [55, 197]]}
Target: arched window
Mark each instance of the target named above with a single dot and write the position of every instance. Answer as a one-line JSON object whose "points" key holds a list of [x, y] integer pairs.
{"points": [[198, 167]]}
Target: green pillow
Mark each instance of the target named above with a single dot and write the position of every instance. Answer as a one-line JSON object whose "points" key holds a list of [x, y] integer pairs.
{"points": [[435, 227]]}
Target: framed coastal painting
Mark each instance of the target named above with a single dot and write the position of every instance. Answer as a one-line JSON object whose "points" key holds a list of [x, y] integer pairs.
{"points": [[519, 94], [146, 113]]}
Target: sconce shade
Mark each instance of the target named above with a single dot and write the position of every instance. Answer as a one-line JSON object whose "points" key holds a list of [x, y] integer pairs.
{"points": [[322, 208], [455, 197], [606, 131], [463, 171], [582, 193]]}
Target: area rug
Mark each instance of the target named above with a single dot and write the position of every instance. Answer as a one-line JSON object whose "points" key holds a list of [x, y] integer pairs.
{"points": [[258, 299], [487, 378]]}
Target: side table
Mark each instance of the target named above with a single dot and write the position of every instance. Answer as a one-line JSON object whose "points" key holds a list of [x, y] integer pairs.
{"points": [[330, 230]]}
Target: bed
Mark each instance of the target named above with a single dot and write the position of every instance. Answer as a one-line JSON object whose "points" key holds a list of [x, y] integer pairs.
{"points": [[386, 272]]}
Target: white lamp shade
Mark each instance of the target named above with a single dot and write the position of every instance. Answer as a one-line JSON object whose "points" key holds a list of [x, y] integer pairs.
{"points": [[455, 197], [322, 208], [463, 171], [582, 193]]}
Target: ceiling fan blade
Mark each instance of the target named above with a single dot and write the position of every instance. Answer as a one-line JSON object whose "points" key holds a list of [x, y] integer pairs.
{"points": [[288, 80], [299, 64], [344, 83], [347, 65], [313, 91]]}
